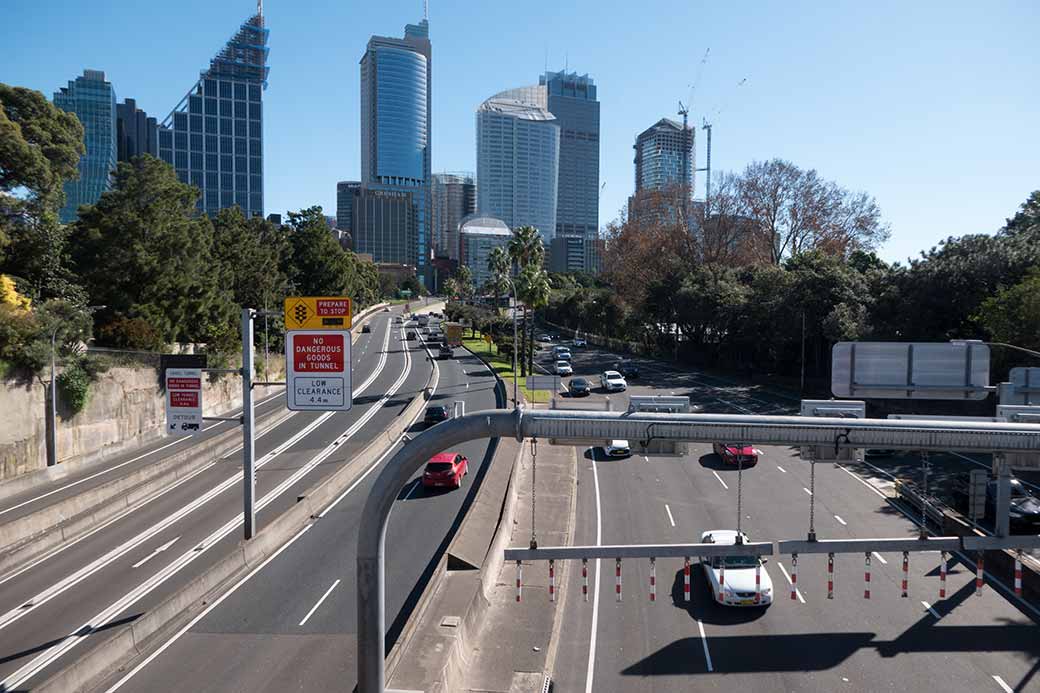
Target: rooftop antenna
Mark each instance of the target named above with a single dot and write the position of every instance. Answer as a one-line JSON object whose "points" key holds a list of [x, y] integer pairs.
{"points": [[425, 10], [260, 8]]}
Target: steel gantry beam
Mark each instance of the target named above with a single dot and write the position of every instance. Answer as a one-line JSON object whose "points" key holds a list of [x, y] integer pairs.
{"points": [[592, 426], [557, 553]]}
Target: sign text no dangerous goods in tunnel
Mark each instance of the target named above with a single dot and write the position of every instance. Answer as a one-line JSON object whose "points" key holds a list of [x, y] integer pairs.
{"points": [[318, 370]]}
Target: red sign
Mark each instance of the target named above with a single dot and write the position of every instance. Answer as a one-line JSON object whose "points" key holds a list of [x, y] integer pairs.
{"points": [[184, 399], [318, 353], [333, 307], [183, 383]]}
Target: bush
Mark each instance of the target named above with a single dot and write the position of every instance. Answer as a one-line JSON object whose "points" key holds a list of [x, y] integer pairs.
{"points": [[130, 333], [74, 386], [20, 345]]}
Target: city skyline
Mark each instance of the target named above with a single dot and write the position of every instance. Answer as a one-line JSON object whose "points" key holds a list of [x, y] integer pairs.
{"points": [[893, 123]]}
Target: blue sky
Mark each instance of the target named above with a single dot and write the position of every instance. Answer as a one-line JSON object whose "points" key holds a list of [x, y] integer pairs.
{"points": [[932, 107]]}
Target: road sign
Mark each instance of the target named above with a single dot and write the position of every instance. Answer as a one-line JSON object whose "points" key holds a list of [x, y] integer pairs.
{"points": [[318, 370], [318, 313], [183, 401], [910, 370], [1024, 388], [543, 382]]}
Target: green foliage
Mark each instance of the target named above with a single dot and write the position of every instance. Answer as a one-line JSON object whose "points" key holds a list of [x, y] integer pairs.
{"points": [[74, 386], [1012, 315], [318, 266], [130, 333], [412, 283]]}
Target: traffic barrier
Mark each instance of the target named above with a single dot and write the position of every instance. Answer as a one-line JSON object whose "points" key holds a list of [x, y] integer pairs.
{"points": [[978, 575], [830, 576], [653, 579], [906, 573], [866, 576], [942, 575], [722, 580], [617, 578], [519, 580], [585, 578], [794, 576], [758, 582], [1018, 573], [686, 579]]}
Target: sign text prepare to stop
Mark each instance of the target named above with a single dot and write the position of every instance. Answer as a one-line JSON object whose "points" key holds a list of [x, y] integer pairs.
{"points": [[332, 313], [319, 370]]}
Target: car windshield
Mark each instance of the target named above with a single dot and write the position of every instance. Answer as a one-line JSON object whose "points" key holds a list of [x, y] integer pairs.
{"points": [[612, 375], [436, 467], [735, 561], [579, 382], [436, 410]]}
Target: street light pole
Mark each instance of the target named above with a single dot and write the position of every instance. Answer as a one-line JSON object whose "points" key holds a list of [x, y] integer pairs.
{"points": [[52, 430], [512, 287]]}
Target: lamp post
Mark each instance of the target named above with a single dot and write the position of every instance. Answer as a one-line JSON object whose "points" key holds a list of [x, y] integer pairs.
{"points": [[512, 288], [52, 437]]}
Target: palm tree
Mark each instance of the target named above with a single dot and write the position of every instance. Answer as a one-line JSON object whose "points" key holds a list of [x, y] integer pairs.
{"points": [[498, 265], [525, 250], [534, 289]]}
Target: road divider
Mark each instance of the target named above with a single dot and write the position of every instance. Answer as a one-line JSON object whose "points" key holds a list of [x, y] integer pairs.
{"points": [[163, 620]]}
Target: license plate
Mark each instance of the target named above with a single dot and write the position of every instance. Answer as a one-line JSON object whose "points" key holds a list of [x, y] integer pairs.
{"points": [[747, 601]]}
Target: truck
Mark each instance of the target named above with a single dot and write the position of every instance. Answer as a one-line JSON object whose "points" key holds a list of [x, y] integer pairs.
{"points": [[453, 333]]}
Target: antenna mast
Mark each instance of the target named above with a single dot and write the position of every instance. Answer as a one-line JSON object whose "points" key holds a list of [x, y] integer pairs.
{"points": [[426, 10], [260, 8]]}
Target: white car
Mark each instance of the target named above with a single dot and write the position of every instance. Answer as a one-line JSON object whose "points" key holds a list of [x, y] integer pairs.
{"points": [[564, 368], [580, 342], [612, 381], [738, 587], [618, 448]]}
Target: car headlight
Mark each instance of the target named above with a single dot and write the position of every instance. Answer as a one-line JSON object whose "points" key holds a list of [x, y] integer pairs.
{"points": [[767, 590]]}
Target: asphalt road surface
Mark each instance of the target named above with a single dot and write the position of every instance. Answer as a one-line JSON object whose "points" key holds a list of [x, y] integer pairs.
{"points": [[291, 625], [962, 642]]}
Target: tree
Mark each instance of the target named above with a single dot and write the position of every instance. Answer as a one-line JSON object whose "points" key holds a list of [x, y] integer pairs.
{"points": [[791, 210], [144, 252], [532, 287], [250, 254], [498, 266], [525, 250], [464, 281], [1012, 315]]}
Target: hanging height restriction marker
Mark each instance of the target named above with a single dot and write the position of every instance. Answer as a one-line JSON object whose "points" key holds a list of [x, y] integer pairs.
{"points": [[318, 370]]}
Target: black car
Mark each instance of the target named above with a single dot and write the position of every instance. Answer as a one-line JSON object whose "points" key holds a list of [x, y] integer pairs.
{"points": [[579, 387], [435, 414], [366, 328], [410, 335], [445, 352], [1023, 509], [627, 369]]}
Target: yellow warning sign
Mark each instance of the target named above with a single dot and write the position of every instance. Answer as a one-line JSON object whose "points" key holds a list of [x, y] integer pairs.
{"points": [[318, 313]]}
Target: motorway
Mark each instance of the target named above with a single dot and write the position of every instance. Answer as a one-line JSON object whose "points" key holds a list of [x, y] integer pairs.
{"points": [[962, 642], [291, 623], [61, 604]]}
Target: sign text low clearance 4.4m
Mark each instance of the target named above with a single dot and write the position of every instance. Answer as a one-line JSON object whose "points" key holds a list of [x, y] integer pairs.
{"points": [[319, 370]]}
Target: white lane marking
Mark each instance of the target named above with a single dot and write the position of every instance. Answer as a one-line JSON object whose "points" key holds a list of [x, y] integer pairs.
{"points": [[645, 458], [704, 644], [796, 591], [1003, 684], [745, 410], [843, 522], [932, 611], [415, 487], [669, 511], [807, 490], [49, 655], [720, 479], [861, 480], [205, 612], [781, 469], [115, 467], [323, 598], [155, 553], [595, 586], [878, 556]]}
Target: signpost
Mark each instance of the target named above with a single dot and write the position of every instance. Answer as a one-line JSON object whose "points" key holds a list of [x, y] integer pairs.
{"points": [[908, 370], [183, 401], [318, 313], [318, 370]]}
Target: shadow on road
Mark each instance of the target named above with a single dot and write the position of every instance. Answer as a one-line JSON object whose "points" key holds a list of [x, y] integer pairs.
{"points": [[702, 605]]}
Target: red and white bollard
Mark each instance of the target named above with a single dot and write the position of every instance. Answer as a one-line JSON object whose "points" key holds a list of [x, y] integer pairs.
{"points": [[653, 579], [830, 576], [686, 579], [794, 576], [906, 573], [1018, 574], [866, 576], [978, 575], [585, 578], [942, 575], [519, 579], [552, 580], [722, 580], [758, 581], [617, 578]]}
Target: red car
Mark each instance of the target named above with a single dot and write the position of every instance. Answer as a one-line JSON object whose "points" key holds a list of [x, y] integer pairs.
{"points": [[745, 455], [445, 469]]}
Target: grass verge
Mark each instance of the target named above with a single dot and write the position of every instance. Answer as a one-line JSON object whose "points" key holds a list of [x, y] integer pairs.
{"points": [[503, 366]]}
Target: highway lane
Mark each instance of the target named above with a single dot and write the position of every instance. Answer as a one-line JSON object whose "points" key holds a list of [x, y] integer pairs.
{"points": [[885, 643], [292, 625], [197, 522]]}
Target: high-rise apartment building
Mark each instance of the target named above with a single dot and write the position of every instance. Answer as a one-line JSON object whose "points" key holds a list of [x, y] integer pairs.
{"points": [[454, 197], [572, 99], [664, 156], [346, 192], [136, 132], [518, 158], [93, 100], [214, 137], [395, 142]]}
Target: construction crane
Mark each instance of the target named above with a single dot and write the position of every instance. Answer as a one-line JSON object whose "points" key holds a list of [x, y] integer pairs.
{"points": [[684, 111]]}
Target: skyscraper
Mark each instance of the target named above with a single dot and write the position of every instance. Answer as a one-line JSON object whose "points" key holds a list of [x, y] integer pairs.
{"points": [[572, 99], [93, 100], [454, 197], [395, 140], [214, 137], [664, 156], [136, 132], [346, 191], [518, 158]]}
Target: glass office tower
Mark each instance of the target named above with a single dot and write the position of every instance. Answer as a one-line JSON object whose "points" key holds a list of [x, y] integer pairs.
{"points": [[518, 156], [454, 197], [214, 137], [395, 139], [93, 100], [664, 156]]}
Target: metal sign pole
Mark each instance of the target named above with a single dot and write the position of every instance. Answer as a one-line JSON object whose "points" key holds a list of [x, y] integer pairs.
{"points": [[248, 451]]}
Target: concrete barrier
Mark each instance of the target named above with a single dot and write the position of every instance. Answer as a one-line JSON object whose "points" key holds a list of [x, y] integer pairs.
{"points": [[178, 609]]}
